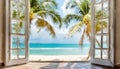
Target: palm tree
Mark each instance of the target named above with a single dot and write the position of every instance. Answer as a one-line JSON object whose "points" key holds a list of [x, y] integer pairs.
{"points": [[83, 17], [42, 9]]}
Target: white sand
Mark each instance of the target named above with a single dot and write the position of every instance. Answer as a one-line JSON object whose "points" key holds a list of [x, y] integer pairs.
{"points": [[58, 58]]}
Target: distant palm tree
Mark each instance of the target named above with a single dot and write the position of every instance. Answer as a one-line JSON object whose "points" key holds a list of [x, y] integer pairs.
{"points": [[83, 17], [42, 9]]}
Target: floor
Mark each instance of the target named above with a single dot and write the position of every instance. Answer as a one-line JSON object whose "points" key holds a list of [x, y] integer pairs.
{"points": [[57, 65]]}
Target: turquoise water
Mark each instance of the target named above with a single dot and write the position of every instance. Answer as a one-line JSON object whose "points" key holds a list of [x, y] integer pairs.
{"points": [[58, 49]]}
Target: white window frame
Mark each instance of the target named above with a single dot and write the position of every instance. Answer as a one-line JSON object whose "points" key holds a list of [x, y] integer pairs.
{"points": [[8, 61], [110, 61]]}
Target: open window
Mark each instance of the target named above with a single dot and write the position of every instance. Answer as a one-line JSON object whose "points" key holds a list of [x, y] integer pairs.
{"points": [[17, 23], [102, 39]]}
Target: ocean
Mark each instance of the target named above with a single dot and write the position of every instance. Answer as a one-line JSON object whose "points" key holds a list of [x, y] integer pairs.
{"points": [[58, 49]]}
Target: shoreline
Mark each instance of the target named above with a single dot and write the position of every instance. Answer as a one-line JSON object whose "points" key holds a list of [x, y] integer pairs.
{"points": [[58, 58]]}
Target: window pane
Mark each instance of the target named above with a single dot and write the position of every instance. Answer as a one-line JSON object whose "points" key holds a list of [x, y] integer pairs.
{"points": [[98, 42], [105, 26], [18, 27], [98, 11], [22, 41], [13, 54], [105, 9], [105, 42], [18, 16], [22, 9], [97, 53], [105, 54], [21, 53], [14, 42], [98, 27], [14, 26], [14, 9]]}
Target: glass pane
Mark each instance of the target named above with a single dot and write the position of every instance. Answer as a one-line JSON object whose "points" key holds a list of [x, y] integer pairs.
{"points": [[18, 16], [98, 27], [22, 41], [105, 9], [105, 4], [105, 42], [22, 2], [13, 54], [97, 53], [98, 42], [21, 9], [18, 9], [13, 26], [105, 54], [98, 1], [98, 11], [14, 8], [14, 42], [21, 53], [105, 26], [22, 31], [22, 14], [18, 27]]}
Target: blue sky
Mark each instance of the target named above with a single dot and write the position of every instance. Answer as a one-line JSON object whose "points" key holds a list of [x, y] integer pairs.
{"points": [[61, 34]]}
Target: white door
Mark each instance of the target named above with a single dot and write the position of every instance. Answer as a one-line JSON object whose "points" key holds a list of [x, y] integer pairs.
{"points": [[102, 32], [17, 24]]}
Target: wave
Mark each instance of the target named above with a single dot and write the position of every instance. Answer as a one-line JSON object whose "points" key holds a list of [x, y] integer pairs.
{"points": [[54, 48]]}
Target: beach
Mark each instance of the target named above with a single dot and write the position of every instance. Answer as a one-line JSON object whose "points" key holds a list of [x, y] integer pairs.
{"points": [[58, 58]]}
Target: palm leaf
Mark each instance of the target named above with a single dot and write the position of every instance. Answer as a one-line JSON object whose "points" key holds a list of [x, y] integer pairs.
{"points": [[50, 4], [71, 17], [71, 4], [41, 23], [75, 28], [84, 7], [54, 15]]}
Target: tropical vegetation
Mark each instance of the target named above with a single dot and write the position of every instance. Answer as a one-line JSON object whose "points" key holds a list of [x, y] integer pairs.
{"points": [[83, 17], [40, 9]]}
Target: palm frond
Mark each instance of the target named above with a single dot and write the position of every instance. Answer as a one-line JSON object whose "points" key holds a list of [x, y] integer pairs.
{"points": [[41, 23], [32, 14], [71, 17], [71, 4], [34, 3], [84, 7], [75, 28], [50, 4], [54, 15]]}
